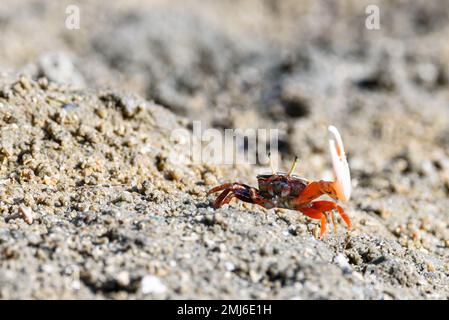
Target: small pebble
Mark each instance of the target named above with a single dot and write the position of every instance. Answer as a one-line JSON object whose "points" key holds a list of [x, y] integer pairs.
{"points": [[151, 284], [123, 279], [343, 263], [70, 106], [26, 213], [229, 266]]}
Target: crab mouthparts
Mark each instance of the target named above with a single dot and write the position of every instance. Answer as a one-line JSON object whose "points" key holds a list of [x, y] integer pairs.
{"points": [[340, 165]]}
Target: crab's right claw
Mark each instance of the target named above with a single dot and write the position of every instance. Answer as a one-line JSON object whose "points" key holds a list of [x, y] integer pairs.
{"points": [[340, 165]]}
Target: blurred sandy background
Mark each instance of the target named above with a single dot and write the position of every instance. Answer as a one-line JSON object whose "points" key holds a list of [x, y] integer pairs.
{"points": [[297, 66]]}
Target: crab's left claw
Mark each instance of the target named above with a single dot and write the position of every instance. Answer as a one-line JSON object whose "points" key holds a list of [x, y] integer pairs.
{"points": [[340, 165]]}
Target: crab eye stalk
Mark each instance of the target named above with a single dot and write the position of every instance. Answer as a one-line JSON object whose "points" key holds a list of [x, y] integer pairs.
{"points": [[293, 167], [340, 165]]}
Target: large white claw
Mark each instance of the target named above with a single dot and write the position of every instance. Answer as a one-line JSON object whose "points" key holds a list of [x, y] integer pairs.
{"points": [[340, 164]]}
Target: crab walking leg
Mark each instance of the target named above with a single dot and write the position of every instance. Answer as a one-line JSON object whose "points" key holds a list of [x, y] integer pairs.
{"points": [[230, 191], [316, 214], [345, 217], [224, 198], [258, 199], [329, 206], [333, 221], [221, 187], [240, 191]]}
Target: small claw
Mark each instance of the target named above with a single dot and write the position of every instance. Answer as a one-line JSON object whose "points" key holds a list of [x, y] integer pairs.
{"points": [[340, 165]]}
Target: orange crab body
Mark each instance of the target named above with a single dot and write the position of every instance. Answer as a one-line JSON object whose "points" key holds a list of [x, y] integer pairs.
{"points": [[284, 190]]}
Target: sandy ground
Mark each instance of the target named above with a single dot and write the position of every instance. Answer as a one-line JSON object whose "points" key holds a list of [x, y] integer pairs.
{"points": [[86, 156]]}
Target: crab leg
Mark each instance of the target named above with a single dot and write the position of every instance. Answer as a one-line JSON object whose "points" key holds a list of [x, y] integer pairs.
{"points": [[230, 191], [325, 206], [317, 209], [258, 199], [224, 198], [316, 214], [220, 188], [333, 221], [240, 191]]}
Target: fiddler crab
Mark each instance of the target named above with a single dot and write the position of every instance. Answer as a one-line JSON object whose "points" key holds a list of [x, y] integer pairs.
{"points": [[289, 191]]}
